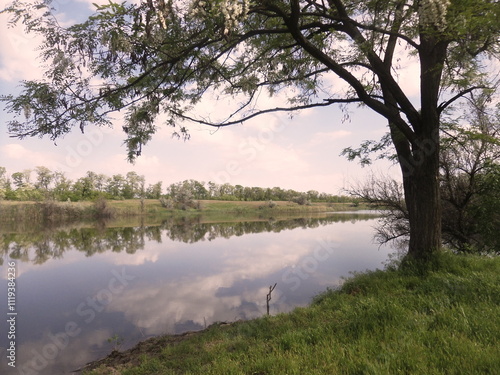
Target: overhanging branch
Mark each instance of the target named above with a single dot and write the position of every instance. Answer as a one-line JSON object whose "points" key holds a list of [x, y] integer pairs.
{"points": [[325, 103], [446, 104]]}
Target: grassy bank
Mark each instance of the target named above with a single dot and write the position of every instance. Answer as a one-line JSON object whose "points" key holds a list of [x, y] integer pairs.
{"points": [[384, 322]]}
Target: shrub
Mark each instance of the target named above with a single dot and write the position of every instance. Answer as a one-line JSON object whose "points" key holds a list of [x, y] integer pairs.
{"points": [[102, 209], [302, 200], [167, 203]]}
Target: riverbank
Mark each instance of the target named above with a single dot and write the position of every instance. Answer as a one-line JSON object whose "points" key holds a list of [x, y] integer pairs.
{"points": [[383, 322], [32, 214]]}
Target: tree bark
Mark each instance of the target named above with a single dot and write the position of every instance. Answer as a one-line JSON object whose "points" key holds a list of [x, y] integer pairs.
{"points": [[420, 160], [422, 196], [420, 169]]}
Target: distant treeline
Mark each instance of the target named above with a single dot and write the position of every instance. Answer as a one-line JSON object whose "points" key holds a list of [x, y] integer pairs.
{"points": [[41, 183]]}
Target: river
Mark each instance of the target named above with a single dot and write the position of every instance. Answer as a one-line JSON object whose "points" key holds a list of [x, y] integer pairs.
{"points": [[82, 291]]}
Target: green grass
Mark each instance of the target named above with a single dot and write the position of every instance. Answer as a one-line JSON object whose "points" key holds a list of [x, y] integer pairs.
{"points": [[443, 321]]}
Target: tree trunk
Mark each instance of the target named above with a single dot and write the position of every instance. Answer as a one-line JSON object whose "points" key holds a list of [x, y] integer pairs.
{"points": [[419, 164], [420, 160], [422, 196]]}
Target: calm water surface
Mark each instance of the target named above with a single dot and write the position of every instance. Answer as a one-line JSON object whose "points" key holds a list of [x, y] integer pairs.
{"points": [[78, 287]]}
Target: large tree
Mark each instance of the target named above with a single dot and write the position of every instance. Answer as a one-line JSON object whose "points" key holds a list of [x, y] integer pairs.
{"points": [[469, 183], [161, 57]]}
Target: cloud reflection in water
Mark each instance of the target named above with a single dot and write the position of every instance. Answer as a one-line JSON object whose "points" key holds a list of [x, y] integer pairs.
{"points": [[186, 274]]}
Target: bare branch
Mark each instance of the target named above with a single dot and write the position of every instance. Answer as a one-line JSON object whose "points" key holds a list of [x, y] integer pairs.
{"points": [[444, 105], [327, 102]]}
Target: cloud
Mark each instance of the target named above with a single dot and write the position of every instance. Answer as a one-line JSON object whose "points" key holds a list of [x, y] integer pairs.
{"points": [[251, 159], [17, 152], [18, 57], [57, 352], [91, 2], [197, 298], [136, 260], [277, 159], [328, 137]]}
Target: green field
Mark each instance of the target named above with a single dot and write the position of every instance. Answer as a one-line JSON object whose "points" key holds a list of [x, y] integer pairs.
{"points": [[445, 320]]}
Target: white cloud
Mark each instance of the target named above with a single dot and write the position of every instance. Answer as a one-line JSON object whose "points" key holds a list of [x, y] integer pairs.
{"points": [[98, 2], [135, 260], [275, 159], [17, 152], [194, 298], [328, 137], [35, 354], [18, 56]]}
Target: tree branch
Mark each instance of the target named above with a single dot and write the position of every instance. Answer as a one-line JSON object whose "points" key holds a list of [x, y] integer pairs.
{"points": [[388, 112], [386, 32], [443, 106], [387, 82], [326, 103]]}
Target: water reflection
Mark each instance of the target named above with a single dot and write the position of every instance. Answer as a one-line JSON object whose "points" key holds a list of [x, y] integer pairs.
{"points": [[78, 287], [38, 247]]}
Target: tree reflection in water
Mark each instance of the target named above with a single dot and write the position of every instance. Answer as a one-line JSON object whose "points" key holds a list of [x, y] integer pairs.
{"points": [[51, 243]]}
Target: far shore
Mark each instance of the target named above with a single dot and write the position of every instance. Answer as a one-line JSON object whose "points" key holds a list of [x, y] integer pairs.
{"points": [[55, 213]]}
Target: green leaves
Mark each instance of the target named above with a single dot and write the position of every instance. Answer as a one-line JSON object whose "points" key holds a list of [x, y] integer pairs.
{"points": [[160, 57], [365, 151]]}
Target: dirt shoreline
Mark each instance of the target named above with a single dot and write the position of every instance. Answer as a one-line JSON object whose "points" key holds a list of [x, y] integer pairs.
{"points": [[119, 360]]}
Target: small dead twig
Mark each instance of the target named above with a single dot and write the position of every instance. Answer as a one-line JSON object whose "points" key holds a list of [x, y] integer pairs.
{"points": [[268, 297]]}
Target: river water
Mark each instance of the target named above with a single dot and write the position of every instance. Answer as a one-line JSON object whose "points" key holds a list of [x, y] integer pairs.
{"points": [[82, 291]]}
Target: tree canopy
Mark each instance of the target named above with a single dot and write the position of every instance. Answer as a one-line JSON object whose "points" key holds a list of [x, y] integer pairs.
{"points": [[164, 56], [158, 59]]}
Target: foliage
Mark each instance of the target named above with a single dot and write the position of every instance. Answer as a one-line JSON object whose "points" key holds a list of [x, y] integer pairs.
{"points": [[271, 204], [182, 199], [102, 209], [301, 200], [471, 226], [167, 203], [4, 183], [162, 57], [469, 166], [57, 187], [388, 195], [470, 163], [485, 211], [116, 341]]}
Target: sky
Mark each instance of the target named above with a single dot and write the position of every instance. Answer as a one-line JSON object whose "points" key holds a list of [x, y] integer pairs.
{"points": [[300, 152]]}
